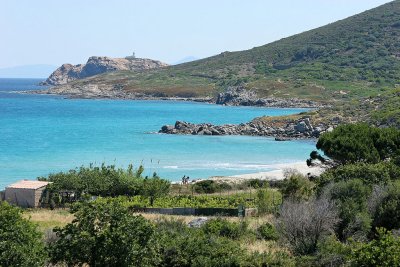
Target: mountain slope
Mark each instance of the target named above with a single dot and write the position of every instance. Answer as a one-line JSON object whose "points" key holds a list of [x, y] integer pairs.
{"points": [[357, 56]]}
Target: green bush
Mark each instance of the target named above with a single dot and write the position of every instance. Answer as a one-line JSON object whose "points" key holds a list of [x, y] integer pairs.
{"points": [[206, 187], [267, 200], [267, 231], [351, 198], [352, 143], [297, 186], [105, 234], [186, 247], [105, 181], [382, 172], [382, 251], [387, 214], [225, 228], [20, 241]]}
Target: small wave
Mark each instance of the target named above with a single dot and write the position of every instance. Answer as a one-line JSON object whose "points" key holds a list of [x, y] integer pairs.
{"points": [[170, 167]]}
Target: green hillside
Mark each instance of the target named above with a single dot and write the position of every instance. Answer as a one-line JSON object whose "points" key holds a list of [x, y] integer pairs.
{"points": [[357, 56]]}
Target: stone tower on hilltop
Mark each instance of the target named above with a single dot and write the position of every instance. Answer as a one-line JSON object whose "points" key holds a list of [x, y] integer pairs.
{"points": [[132, 56]]}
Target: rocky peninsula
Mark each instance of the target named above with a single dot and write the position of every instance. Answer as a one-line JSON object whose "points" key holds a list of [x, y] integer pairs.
{"points": [[97, 65]]}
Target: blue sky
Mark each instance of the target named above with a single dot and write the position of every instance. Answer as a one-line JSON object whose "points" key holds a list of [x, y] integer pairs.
{"points": [[56, 32]]}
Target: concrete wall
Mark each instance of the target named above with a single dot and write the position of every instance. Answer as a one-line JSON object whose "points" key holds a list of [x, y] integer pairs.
{"points": [[198, 211], [21, 197], [26, 198]]}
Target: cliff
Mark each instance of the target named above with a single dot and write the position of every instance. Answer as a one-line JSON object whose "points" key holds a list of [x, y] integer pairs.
{"points": [[97, 65]]}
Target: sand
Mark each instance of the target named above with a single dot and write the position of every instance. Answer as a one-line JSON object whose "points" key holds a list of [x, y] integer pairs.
{"points": [[278, 172]]}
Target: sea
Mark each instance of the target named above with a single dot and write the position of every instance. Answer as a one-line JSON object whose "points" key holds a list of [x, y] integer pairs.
{"points": [[43, 134]]}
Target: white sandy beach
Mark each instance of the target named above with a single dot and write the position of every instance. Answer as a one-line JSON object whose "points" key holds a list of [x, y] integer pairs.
{"points": [[278, 172]]}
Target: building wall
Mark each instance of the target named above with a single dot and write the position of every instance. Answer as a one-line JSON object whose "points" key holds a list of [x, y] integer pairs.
{"points": [[38, 195], [21, 197]]}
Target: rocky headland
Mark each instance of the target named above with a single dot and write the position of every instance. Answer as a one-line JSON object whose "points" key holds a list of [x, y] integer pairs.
{"points": [[97, 65], [282, 128]]}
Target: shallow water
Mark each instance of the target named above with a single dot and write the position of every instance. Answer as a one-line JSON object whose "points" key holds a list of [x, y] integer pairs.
{"points": [[43, 134]]}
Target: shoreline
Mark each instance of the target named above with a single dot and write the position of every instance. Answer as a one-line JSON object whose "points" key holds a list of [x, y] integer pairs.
{"points": [[277, 173]]}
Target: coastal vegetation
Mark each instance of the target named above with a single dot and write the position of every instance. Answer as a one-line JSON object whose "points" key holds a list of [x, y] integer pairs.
{"points": [[347, 216]]}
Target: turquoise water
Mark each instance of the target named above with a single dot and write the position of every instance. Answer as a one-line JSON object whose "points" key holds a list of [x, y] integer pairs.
{"points": [[43, 134]]}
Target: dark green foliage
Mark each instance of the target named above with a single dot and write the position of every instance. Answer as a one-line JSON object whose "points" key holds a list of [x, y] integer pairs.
{"points": [[387, 214], [351, 198], [155, 187], [206, 187], [256, 183], [331, 252], [182, 246], [225, 228], [105, 181], [382, 172], [382, 251], [297, 186], [267, 231], [20, 241], [352, 143], [105, 234], [267, 200]]}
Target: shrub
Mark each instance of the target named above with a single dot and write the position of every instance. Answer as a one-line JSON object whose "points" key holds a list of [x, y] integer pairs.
{"points": [[205, 187], [297, 186], [387, 214], [267, 231], [187, 247], [225, 228], [351, 198], [105, 234], [267, 200], [303, 224], [351, 143], [20, 241], [382, 172], [331, 252], [382, 251]]}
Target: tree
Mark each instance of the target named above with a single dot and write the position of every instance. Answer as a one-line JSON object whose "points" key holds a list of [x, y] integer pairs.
{"points": [[155, 187], [351, 143], [104, 233], [20, 241]]}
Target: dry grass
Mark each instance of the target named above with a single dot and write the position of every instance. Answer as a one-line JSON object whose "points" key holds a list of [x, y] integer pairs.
{"points": [[48, 219]]}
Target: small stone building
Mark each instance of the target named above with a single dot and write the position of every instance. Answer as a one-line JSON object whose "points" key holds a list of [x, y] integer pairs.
{"points": [[26, 194]]}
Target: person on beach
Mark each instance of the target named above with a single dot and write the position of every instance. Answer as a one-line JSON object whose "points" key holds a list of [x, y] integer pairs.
{"points": [[184, 179]]}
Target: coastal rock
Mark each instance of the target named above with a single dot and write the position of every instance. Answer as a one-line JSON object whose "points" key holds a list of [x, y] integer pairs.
{"points": [[281, 131], [97, 65]]}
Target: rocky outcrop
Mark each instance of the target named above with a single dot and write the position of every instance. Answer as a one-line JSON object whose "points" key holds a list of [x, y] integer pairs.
{"points": [[97, 65], [291, 129], [240, 96]]}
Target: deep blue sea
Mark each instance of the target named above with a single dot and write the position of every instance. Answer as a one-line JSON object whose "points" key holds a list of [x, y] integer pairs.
{"points": [[44, 134]]}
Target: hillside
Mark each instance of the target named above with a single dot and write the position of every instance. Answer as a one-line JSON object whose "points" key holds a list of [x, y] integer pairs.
{"points": [[357, 56]]}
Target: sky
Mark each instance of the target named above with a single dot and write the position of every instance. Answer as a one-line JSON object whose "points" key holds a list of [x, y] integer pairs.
{"points": [[57, 32]]}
